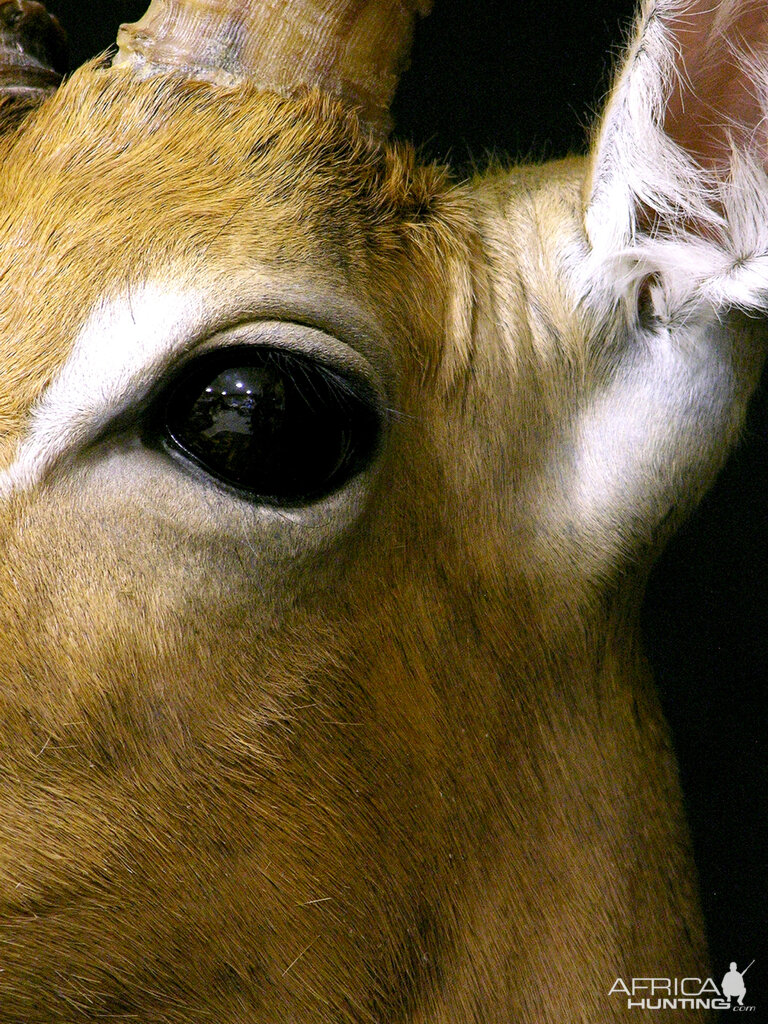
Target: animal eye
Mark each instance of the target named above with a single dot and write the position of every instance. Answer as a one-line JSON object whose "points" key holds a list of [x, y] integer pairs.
{"points": [[281, 426]]}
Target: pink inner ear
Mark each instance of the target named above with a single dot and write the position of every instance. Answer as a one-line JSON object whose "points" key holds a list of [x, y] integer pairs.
{"points": [[716, 99]]}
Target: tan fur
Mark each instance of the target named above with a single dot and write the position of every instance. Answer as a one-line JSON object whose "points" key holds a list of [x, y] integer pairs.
{"points": [[416, 775]]}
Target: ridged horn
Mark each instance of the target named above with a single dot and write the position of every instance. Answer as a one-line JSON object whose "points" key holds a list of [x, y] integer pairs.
{"points": [[33, 51], [352, 49]]}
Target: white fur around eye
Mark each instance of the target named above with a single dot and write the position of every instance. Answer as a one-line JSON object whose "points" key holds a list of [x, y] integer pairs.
{"points": [[117, 357]]}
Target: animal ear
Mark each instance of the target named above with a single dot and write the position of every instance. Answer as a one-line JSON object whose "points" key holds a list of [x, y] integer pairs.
{"points": [[678, 189], [33, 58]]}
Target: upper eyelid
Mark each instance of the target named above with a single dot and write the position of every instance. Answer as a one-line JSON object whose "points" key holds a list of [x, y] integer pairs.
{"points": [[295, 336], [348, 376]]}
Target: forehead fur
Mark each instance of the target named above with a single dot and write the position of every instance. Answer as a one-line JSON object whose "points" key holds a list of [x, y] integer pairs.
{"points": [[195, 143], [116, 180]]}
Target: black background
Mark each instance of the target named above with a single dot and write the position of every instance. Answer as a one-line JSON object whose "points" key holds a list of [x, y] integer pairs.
{"points": [[526, 79]]}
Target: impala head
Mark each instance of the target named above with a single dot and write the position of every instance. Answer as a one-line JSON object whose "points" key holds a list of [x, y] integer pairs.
{"points": [[295, 602], [207, 678]]}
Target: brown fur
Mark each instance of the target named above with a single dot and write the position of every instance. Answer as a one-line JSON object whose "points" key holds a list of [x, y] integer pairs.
{"points": [[416, 776]]}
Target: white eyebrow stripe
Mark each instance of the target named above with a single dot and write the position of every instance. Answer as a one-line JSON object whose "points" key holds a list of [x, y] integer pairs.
{"points": [[114, 361]]}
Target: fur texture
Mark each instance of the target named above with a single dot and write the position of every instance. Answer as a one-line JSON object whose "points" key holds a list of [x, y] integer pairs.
{"points": [[394, 757]]}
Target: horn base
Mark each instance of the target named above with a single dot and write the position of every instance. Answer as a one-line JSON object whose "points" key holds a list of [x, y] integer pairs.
{"points": [[351, 49]]}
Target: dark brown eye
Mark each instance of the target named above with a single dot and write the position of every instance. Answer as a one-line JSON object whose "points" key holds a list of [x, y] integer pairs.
{"points": [[282, 426]]}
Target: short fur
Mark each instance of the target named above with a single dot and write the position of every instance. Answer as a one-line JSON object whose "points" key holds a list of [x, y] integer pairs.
{"points": [[407, 766]]}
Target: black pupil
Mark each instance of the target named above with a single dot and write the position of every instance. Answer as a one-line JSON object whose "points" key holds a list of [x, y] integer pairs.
{"points": [[282, 426]]}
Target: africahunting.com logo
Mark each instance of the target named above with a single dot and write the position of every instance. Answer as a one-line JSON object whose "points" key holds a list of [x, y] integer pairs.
{"points": [[685, 993]]}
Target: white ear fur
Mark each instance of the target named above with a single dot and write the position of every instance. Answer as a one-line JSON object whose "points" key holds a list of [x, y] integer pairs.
{"points": [[678, 189]]}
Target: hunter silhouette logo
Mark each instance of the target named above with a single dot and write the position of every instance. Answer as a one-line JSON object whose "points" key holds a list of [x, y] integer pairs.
{"points": [[685, 993], [733, 984]]}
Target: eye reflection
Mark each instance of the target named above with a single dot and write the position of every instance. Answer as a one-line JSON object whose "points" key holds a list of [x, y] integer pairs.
{"points": [[281, 425]]}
